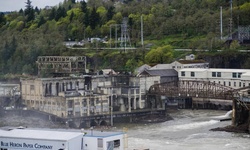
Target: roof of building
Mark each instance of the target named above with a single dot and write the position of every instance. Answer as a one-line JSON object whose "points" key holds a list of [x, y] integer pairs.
{"points": [[142, 68], [216, 70], [40, 134], [108, 71], [95, 133], [160, 66], [53, 134], [160, 72], [191, 61], [229, 70], [194, 69]]}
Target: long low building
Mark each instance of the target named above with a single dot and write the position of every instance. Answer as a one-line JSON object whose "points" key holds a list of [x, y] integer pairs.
{"points": [[37, 139], [234, 78]]}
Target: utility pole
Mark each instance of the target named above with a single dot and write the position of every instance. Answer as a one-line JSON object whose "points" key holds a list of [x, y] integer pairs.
{"points": [[231, 20], [111, 107], [116, 36], [221, 31], [116, 29], [142, 31], [110, 39]]}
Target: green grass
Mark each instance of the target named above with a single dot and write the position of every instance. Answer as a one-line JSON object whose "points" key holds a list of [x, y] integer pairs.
{"points": [[176, 41]]}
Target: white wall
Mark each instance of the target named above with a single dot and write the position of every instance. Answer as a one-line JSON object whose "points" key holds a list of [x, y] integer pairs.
{"points": [[75, 143], [90, 143], [226, 78], [112, 138]]}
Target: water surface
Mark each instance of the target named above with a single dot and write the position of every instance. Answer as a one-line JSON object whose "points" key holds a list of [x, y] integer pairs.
{"points": [[190, 130]]}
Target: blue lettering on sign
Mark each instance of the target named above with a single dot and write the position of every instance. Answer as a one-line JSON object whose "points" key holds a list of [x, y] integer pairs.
{"points": [[12, 144], [43, 146], [4, 144], [25, 145]]}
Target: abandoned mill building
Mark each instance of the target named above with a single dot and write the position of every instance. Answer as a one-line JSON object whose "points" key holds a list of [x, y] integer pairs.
{"points": [[89, 95]]}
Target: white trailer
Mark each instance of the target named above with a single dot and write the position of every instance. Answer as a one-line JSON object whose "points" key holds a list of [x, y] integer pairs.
{"points": [[97, 140], [25, 139]]}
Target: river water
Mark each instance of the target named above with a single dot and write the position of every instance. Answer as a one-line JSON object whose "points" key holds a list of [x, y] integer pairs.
{"points": [[188, 130]]}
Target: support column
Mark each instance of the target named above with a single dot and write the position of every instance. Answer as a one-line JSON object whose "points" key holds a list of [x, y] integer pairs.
{"points": [[129, 100], [74, 85], [81, 107], [53, 89], [140, 105], [134, 99], [249, 121], [88, 107], [65, 86], [101, 104], [122, 108], [44, 90], [61, 87], [94, 106]]}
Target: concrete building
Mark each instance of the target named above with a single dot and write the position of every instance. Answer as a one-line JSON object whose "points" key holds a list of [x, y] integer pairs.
{"points": [[9, 95], [9, 89], [30, 139], [61, 65], [63, 97], [142, 68], [234, 78], [188, 62], [79, 97], [180, 64], [124, 91], [165, 75]]}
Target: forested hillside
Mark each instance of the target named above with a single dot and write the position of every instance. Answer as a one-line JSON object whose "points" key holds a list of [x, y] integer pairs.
{"points": [[168, 24]]}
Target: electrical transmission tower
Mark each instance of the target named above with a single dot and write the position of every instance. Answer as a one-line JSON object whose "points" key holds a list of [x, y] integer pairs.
{"points": [[125, 39]]}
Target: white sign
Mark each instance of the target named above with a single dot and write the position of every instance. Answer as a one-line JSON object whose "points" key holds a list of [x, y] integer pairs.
{"points": [[26, 145]]}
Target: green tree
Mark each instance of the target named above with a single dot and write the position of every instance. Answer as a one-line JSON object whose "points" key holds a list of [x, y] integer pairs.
{"points": [[71, 16], [2, 20], [52, 14], [37, 10], [41, 21], [86, 13], [29, 11], [94, 18], [61, 12], [243, 13], [21, 11], [103, 14], [160, 55], [84, 6], [131, 65], [110, 13], [234, 45]]}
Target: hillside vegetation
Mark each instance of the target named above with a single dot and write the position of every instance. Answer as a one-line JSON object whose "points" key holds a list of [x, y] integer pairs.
{"points": [[167, 24]]}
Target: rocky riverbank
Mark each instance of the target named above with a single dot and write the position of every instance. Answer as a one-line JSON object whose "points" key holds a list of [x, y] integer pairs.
{"points": [[153, 119], [236, 129]]}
